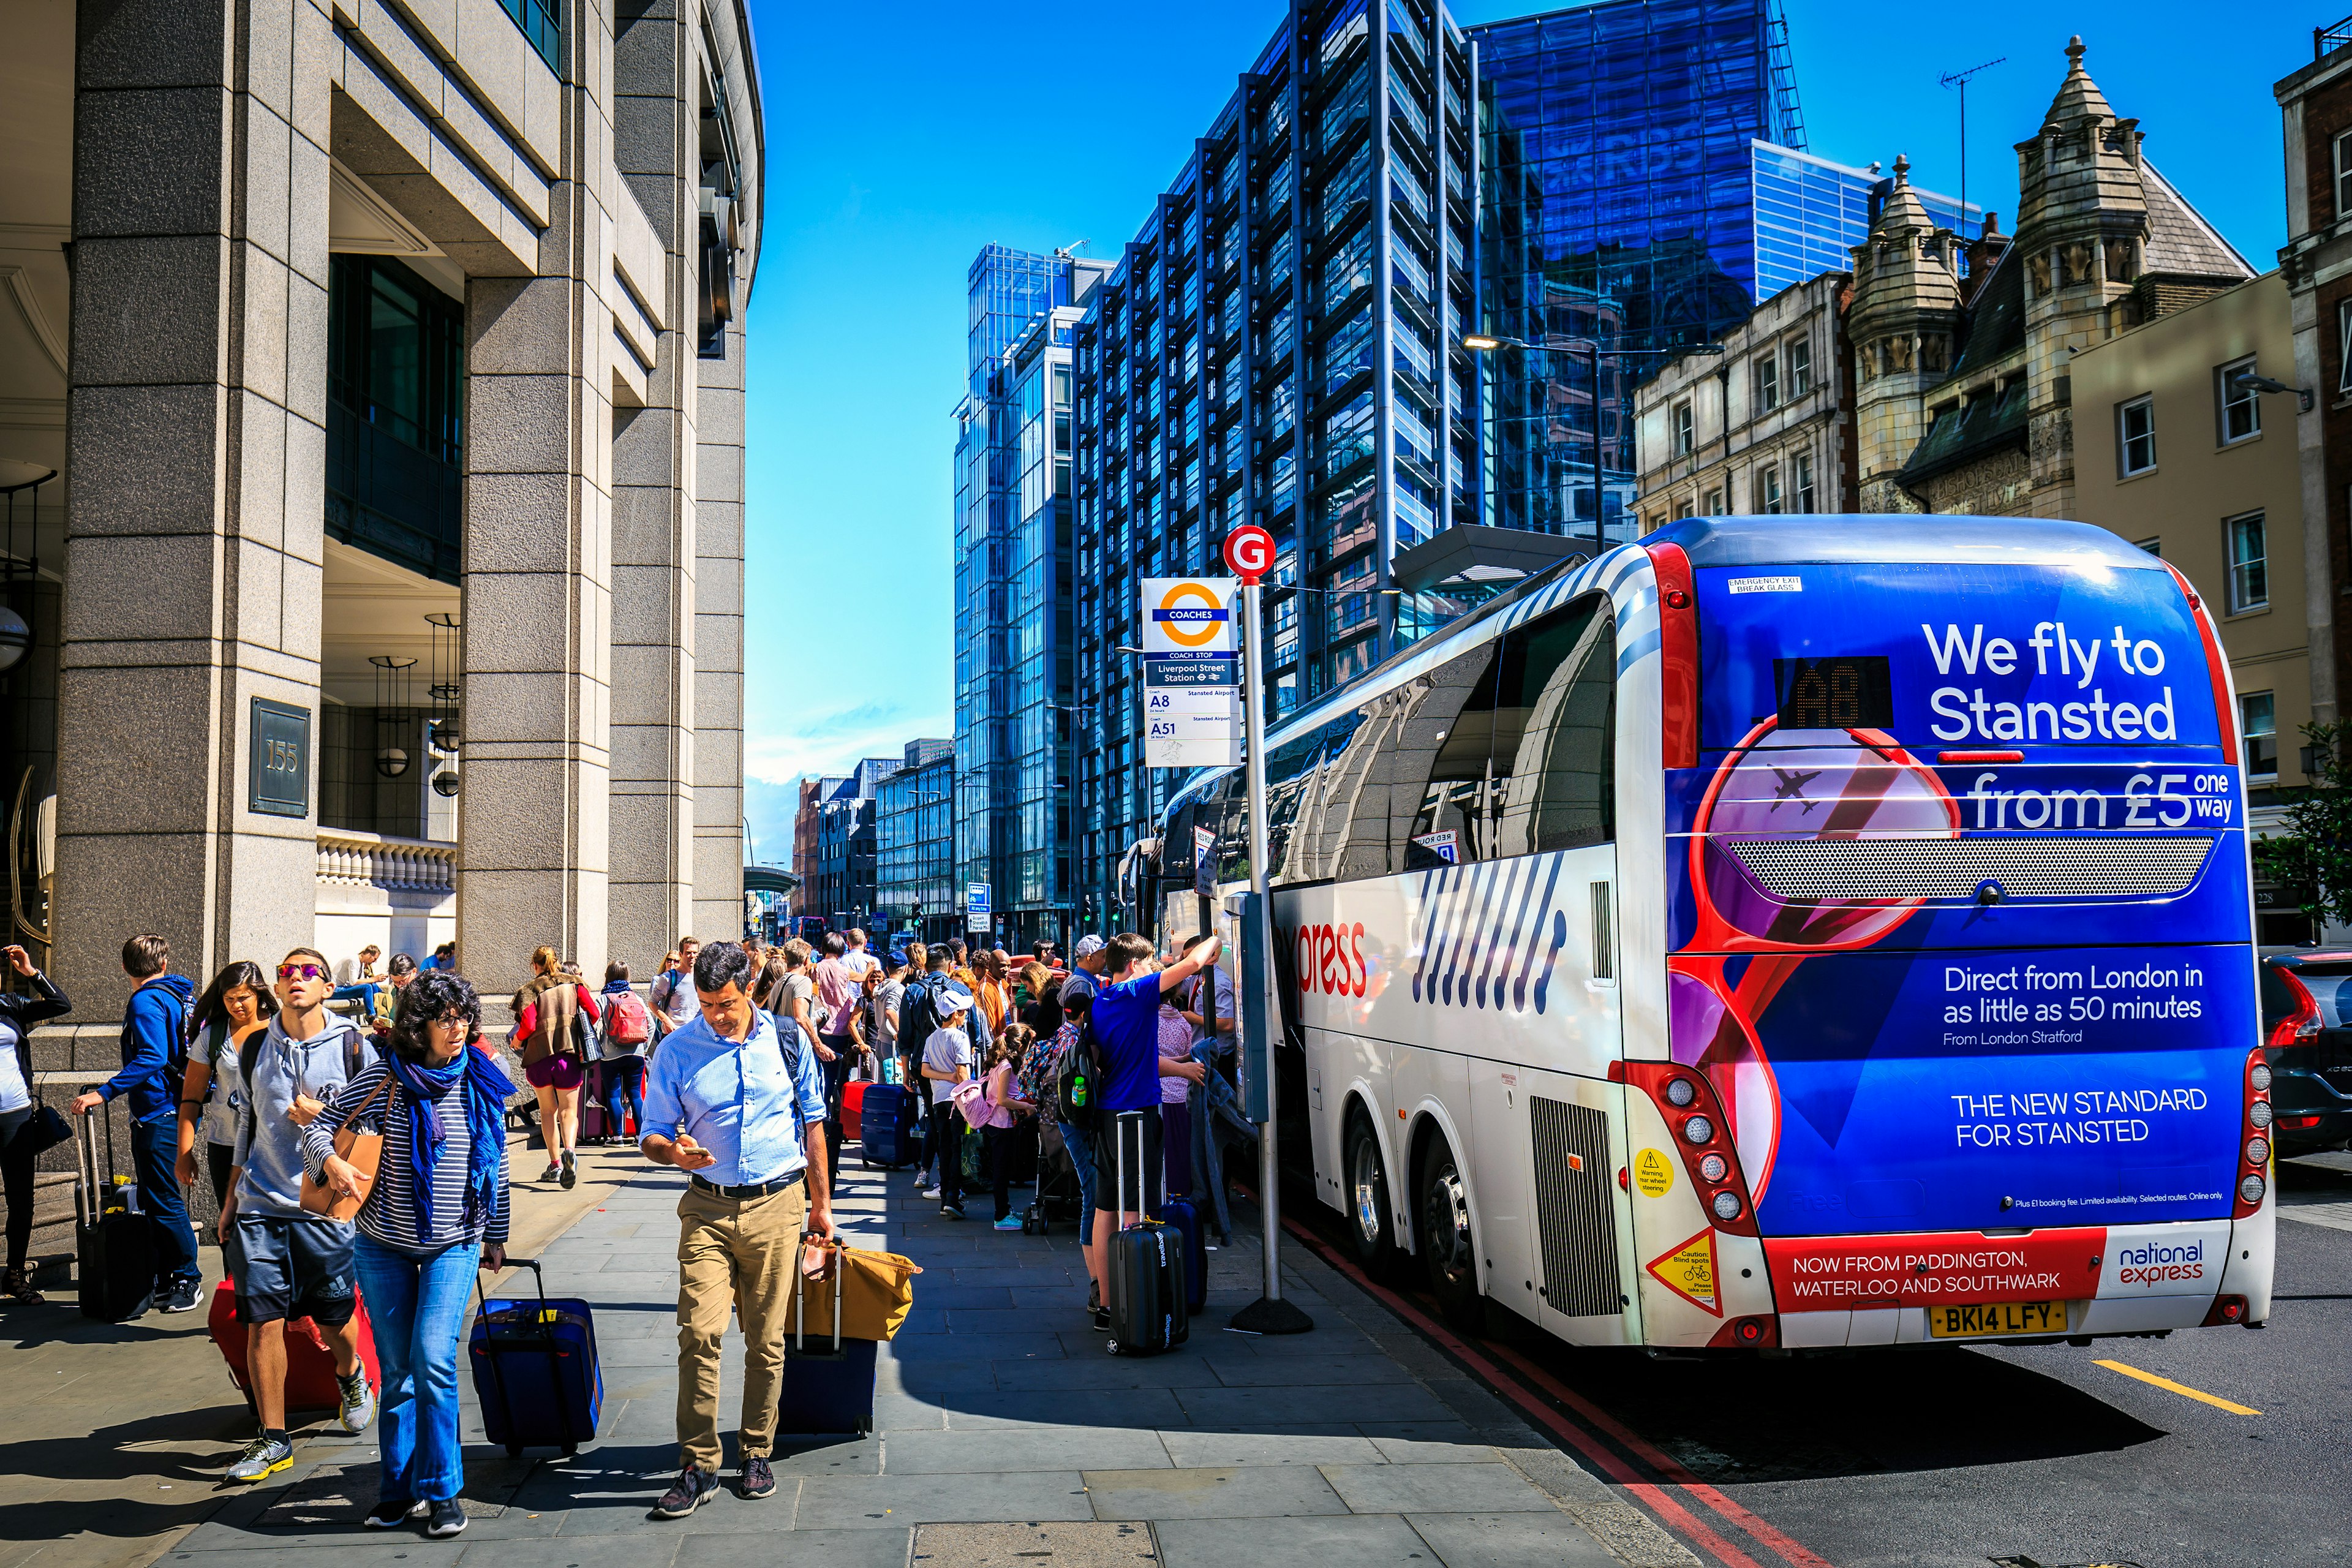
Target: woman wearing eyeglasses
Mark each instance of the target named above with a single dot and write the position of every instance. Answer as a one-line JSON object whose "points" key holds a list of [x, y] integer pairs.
{"points": [[437, 1214]]}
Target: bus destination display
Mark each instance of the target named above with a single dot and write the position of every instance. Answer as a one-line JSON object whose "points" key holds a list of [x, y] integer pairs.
{"points": [[1844, 691]]}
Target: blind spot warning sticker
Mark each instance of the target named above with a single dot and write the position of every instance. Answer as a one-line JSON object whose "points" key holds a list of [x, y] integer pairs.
{"points": [[1689, 1272], [1653, 1173]]}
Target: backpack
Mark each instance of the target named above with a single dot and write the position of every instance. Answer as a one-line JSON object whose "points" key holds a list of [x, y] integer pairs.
{"points": [[788, 1042], [631, 1020], [1078, 1081], [917, 1016]]}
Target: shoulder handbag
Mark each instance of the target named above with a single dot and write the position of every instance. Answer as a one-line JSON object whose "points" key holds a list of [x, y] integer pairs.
{"points": [[363, 1151]]}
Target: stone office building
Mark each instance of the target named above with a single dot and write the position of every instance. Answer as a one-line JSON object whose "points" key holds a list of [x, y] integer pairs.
{"points": [[371, 407]]}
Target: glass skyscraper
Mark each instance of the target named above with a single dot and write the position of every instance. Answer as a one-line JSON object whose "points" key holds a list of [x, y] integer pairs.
{"points": [[1279, 344], [1014, 652], [1617, 221], [914, 836], [1811, 212]]}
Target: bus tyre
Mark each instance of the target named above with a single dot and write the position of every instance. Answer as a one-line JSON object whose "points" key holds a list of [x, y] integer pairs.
{"points": [[1371, 1232], [1449, 1250]]}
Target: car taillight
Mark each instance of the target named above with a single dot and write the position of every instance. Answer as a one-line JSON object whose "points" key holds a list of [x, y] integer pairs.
{"points": [[2253, 1140], [1686, 1102], [2300, 1028], [1759, 1333]]}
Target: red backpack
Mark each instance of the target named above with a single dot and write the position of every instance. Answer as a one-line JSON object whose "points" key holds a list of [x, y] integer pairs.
{"points": [[633, 1022]]}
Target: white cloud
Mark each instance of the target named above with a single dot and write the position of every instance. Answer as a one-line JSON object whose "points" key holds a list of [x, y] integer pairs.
{"points": [[777, 756]]}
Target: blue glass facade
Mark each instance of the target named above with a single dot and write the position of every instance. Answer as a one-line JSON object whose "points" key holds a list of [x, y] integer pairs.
{"points": [[914, 821], [1617, 220], [1013, 590], [1811, 212]]}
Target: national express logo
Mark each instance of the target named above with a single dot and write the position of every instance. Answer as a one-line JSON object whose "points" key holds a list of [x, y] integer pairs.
{"points": [[1191, 616], [2155, 1263]]}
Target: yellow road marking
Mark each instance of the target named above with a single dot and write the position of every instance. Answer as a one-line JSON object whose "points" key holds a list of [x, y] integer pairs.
{"points": [[2181, 1389]]}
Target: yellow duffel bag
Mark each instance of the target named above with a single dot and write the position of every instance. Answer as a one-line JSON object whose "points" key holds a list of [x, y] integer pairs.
{"points": [[876, 1290]]}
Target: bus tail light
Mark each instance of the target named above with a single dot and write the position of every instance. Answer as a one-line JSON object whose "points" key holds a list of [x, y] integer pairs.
{"points": [[1757, 1333], [2226, 1309], [1688, 1104], [2300, 1028], [2254, 1143], [1678, 653], [2216, 668]]}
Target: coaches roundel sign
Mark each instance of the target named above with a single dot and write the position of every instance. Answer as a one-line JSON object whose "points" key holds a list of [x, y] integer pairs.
{"points": [[1249, 552]]}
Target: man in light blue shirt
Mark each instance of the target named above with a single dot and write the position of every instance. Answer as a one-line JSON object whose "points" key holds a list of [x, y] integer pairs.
{"points": [[726, 1101]]}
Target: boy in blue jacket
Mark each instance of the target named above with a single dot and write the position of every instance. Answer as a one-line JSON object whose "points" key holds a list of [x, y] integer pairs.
{"points": [[153, 1028]]}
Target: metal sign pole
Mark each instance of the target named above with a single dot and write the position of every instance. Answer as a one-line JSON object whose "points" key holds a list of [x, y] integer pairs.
{"points": [[1269, 1314]]}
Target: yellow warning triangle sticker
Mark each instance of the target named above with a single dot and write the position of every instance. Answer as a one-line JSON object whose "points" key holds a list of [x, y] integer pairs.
{"points": [[1689, 1272]]}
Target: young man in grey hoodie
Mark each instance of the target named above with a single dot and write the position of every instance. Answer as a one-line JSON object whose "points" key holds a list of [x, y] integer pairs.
{"points": [[289, 1263]]}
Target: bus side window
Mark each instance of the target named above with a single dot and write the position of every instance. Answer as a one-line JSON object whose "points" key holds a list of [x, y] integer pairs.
{"points": [[1554, 752], [1452, 815]]}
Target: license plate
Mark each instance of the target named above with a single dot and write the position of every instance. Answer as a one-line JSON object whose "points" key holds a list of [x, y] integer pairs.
{"points": [[1959, 1323]]}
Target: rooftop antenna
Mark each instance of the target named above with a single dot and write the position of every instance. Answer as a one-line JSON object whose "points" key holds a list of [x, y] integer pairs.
{"points": [[1960, 80]]}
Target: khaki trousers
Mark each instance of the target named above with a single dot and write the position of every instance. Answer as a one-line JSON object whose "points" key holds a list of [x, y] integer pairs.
{"points": [[738, 1253]]}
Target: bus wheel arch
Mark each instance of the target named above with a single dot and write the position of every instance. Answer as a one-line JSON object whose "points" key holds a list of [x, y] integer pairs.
{"points": [[1374, 1238], [1447, 1230]]}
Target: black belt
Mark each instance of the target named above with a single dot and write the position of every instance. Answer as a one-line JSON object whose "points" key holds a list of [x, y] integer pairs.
{"points": [[755, 1189]]}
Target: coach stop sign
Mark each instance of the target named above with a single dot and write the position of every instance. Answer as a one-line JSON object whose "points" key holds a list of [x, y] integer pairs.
{"points": [[1190, 673]]}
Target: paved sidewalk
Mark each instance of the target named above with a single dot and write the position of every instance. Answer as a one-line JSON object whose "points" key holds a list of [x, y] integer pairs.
{"points": [[1006, 1434]]}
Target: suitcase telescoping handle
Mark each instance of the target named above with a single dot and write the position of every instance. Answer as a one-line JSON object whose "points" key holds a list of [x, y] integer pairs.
{"points": [[799, 1289], [88, 1204], [546, 1337]]}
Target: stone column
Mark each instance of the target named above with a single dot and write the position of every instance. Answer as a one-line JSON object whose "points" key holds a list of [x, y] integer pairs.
{"points": [[718, 556], [196, 442], [533, 817], [657, 129]]}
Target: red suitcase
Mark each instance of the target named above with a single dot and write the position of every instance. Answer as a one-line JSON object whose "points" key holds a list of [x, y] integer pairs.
{"points": [[852, 1109], [310, 1363]]}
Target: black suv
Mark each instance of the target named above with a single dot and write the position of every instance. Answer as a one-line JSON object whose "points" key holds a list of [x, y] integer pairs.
{"points": [[2307, 1040]]}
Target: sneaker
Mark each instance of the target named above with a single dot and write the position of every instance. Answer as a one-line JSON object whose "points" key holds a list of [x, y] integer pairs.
{"points": [[951, 1211], [690, 1491], [181, 1297], [358, 1402], [447, 1518], [1102, 1319], [759, 1479], [930, 1194], [391, 1511], [570, 1168], [554, 1172], [264, 1455], [1010, 1222]]}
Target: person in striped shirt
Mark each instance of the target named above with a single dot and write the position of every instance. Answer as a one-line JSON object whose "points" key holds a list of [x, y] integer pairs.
{"points": [[436, 1212]]}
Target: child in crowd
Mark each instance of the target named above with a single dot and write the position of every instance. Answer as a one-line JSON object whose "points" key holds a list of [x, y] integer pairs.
{"points": [[1005, 1141], [947, 1062]]}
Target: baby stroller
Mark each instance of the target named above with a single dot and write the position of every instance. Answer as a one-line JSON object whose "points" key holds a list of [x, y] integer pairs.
{"points": [[1058, 1184]]}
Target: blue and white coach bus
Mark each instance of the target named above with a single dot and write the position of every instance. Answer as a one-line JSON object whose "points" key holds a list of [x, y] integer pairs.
{"points": [[1783, 933]]}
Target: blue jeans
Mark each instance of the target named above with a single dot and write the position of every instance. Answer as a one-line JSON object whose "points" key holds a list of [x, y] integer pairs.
{"points": [[416, 1306], [155, 1152], [1082, 1154], [625, 1079]]}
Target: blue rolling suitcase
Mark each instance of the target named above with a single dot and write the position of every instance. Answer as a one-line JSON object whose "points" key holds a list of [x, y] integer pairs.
{"points": [[885, 1126], [828, 1388], [535, 1370], [1181, 1213]]}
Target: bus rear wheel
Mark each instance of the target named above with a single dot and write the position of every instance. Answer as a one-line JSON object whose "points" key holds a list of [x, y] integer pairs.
{"points": [[1372, 1232], [1449, 1248]]}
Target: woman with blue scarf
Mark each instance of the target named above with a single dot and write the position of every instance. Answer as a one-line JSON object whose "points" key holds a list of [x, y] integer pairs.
{"points": [[437, 1212]]}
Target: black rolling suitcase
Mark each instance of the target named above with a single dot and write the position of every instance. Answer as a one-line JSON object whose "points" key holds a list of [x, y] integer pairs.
{"points": [[829, 1389], [1146, 1294], [114, 1243]]}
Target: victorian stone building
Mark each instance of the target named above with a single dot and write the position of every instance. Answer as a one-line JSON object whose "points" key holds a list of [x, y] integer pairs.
{"points": [[372, 408], [1964, 399]]}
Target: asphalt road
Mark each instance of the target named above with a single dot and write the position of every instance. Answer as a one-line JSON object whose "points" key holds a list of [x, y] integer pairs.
{"points": [[1958, 1456]]}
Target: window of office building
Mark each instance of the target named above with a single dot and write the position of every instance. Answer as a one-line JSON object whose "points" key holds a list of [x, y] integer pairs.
{"points": [[1715, 502], [1683, 428], [395, 413], [2343, 175], [2344, 343], [2249, 583], [1801, 367], [1804, 471], [2135, 436], [2258, 719], [2153, 546], [2241, 406], [1683, 507], [1767, 381], [1768, 486]]}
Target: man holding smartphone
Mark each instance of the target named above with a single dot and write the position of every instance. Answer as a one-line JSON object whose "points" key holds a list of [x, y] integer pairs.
{"points": [[743, 1110]]}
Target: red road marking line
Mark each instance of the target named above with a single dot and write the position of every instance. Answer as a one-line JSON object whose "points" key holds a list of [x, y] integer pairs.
{"points": [[1582, 1441]]}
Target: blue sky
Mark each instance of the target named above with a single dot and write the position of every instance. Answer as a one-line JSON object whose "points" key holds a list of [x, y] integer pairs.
{"points": [[894, 155]]}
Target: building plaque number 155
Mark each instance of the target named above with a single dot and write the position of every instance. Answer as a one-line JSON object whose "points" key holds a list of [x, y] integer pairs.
{"points": [[279, 765]]}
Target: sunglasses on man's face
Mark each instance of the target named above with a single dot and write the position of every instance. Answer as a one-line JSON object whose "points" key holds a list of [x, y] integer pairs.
{"points": [[300, 971]]}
